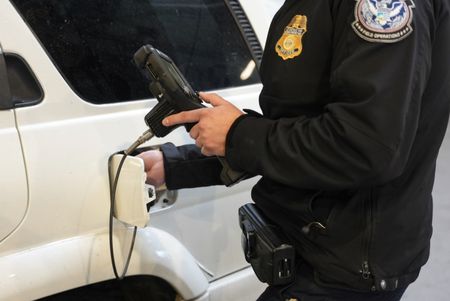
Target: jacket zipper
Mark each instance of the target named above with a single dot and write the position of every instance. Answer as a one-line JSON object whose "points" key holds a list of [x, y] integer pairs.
{"points": [[368, 211], [365, 271]]}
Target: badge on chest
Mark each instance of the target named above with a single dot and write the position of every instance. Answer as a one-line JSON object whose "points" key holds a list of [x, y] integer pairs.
{"points": [[290, 44]]}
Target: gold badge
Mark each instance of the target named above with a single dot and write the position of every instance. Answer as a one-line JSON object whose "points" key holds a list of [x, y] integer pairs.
{"points": [[290, 43]]}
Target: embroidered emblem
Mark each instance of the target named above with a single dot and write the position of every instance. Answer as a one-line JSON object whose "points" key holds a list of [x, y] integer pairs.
{"points": [[290, 43], [386, 21]]}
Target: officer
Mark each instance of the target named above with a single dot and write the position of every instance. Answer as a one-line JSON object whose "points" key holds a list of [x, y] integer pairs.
{"points": [[355, 103]]}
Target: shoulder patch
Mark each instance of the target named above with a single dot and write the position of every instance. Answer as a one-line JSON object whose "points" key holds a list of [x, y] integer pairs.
{"points": [[384, 21]]}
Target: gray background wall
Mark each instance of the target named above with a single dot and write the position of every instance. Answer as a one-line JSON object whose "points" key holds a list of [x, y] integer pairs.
{"points": [[434, 280]]}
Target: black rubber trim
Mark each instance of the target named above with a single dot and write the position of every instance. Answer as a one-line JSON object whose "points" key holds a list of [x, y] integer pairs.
{"points": [[24, 92], [246, 29], [5, 94]]}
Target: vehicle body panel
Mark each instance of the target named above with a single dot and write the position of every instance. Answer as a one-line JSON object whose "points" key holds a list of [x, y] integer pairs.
{"points": [[66, 145], [13, 184]]}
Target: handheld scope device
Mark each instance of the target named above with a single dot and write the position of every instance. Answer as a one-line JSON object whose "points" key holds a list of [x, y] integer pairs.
{"points": [[174, 95]]}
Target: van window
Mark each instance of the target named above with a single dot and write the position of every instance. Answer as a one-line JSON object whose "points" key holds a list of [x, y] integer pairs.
{"points": [[92, 43]]}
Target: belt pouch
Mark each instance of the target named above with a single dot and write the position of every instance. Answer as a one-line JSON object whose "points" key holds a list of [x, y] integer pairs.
{"points": [[265, 247]]}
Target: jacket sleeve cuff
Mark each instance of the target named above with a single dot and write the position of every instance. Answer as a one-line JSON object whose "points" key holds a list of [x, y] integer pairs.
{"points": [[186, 167], [247, 135]]}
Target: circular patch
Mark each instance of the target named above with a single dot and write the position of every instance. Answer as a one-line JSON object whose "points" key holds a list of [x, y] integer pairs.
{"points": [[385, 21]]}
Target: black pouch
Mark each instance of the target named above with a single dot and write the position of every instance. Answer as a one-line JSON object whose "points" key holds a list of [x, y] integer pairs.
{"points": [[265, 247]]}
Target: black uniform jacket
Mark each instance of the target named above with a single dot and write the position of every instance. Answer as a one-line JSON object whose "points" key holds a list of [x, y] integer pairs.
{"points": [[348, 140]]}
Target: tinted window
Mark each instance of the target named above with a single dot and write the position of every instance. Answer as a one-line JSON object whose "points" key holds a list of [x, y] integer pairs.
{"points": [[92, 43]]}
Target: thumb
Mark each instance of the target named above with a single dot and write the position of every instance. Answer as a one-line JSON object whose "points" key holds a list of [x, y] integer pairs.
{"points": [[213, 99]]}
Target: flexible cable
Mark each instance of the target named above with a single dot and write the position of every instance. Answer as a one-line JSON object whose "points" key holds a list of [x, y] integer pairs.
{"points": [[143, 138]]}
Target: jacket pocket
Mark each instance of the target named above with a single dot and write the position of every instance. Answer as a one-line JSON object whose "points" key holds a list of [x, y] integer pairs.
{"points": [[323, 208], [321, 211]]}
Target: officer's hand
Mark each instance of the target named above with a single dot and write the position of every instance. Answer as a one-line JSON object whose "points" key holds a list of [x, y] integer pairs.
{"points": [[212, 126], [154, 167]]}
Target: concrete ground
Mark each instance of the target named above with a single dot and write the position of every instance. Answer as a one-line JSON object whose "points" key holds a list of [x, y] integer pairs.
{"points": [[434, 280]]}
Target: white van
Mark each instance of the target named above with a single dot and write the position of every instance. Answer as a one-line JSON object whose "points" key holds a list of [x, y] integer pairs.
{"points": [[70, 97]]}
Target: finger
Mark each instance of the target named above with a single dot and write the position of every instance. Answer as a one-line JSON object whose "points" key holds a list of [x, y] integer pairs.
{"points": [[205, 151], [198, 143], [194, 132], [183, 117], [150, 158], [212, 99]]}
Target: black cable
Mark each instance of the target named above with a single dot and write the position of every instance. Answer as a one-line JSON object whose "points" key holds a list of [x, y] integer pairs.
{"points": [[111, 221]]}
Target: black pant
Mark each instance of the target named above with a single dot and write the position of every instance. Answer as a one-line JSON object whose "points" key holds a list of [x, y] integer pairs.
{"points": [[305, 289]]}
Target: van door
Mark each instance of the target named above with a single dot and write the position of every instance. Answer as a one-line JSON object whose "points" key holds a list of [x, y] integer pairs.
{"points": [[13, 184], [95, 101]]}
